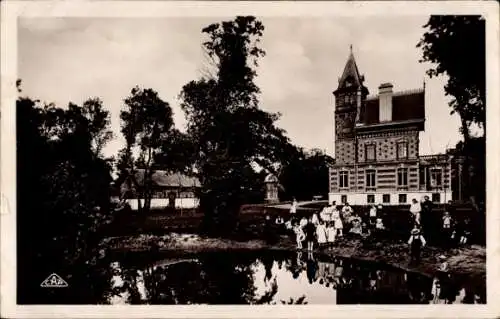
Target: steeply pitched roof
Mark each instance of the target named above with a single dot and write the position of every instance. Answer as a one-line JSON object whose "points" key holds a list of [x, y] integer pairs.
{"points": [[351, 73], [165, 179], [406, 106]]}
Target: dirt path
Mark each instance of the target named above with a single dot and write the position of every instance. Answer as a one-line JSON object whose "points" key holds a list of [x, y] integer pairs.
{"points": [[288, 205]]}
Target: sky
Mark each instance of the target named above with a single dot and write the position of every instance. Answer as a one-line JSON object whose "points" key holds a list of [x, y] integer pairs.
{"points": [[64, 60]]}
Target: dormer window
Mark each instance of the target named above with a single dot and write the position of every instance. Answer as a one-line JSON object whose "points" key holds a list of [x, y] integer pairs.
{"points": [[370, 152], [402, 150]]}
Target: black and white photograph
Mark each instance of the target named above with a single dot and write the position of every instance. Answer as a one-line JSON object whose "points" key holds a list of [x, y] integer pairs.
{"points": [[256, 156]]}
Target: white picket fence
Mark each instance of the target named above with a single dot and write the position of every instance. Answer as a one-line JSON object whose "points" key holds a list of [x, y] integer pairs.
{"points": [[163, 203]]}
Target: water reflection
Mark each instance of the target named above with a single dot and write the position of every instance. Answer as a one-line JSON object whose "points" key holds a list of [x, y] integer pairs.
{"points": [[278, 278]]}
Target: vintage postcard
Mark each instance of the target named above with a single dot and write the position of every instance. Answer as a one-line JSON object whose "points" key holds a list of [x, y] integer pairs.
{"points": [[249, 159]]}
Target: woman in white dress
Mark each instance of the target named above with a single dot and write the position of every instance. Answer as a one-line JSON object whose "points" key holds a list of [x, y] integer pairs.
{"points": [[337, 222], [293, 208], [331, 233], [321, 233], [315, 219]]}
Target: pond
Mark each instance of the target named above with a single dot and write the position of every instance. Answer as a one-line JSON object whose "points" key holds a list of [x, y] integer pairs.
{"points": [[275, 277]]}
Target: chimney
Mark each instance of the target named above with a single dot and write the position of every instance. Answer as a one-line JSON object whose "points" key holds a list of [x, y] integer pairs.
{"points": [[385, 102]]}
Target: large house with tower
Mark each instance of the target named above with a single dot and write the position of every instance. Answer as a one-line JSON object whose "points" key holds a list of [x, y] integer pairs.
{"points": [[377, 146]]}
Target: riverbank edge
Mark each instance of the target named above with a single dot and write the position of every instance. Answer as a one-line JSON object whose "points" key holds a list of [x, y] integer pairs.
{"points": [[468, 264]]}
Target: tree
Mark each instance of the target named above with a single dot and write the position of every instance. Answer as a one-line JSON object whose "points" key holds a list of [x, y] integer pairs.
{"points": [[98, 121], [306, 174], [228, 131], [63, 197], [147, 125], [456, 46]]}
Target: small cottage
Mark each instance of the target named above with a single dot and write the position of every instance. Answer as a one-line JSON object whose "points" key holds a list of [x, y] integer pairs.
{"points": [[169, 189]]}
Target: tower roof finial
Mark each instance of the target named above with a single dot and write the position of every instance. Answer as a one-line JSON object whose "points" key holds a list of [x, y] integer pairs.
{"points": [[350, 47]]}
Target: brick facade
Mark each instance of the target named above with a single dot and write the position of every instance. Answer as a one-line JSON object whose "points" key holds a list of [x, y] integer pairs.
{"points": [[377, 152]]}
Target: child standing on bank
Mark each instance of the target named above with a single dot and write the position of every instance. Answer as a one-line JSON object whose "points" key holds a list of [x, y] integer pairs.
{"points": [[466, 232], [373, 215], [331, 233], [446, 229], [337, 221], [310, 231], [416, 242], [321, 233], [299, 235]]}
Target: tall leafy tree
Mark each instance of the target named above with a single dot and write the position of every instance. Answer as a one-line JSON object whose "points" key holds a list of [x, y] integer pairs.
{"points": [[148, 127], [306, 174], [227, 129], [63, 198], [455, 45]]}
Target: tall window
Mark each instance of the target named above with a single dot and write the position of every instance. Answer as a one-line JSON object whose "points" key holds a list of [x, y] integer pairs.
{"points": [[402, 177], [423, 177], [370, 152], [370, 178], [402, 150], [344, 179], [436, 177]]}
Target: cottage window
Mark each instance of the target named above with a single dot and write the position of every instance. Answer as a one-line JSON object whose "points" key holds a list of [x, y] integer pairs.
{"points": [[402, 150], [370, 178], [344, 179], [402, 177], [370, 152]]}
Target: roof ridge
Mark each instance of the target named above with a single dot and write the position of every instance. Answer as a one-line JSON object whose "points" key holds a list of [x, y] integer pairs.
{"points": [[408, 92], [397, 93]]}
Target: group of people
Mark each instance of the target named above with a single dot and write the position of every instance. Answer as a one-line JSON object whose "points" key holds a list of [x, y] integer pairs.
{"points": [[323, 228], [451, 231]]}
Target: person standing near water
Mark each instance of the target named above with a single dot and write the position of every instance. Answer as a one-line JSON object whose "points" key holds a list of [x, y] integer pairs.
{"points": [[299, 235], [310, 231], [331, 233], [337, 221], [373, 215], [415, 210], [321, 233], [293, 208], [416, 242]]}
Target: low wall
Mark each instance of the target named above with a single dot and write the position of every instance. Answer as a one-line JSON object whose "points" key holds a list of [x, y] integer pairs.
{"points": [[159, 203]]}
